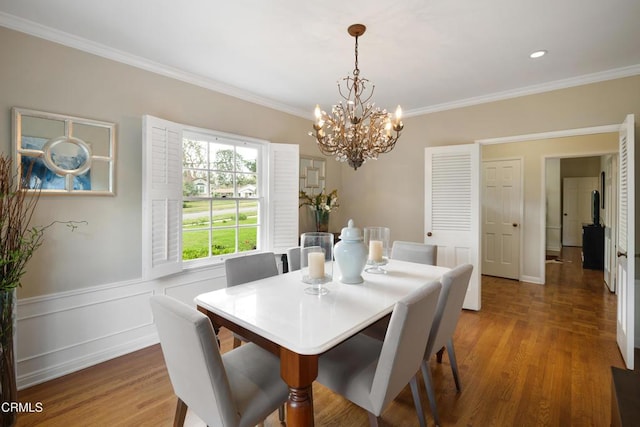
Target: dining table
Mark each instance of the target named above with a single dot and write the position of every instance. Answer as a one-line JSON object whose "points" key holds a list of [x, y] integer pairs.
{"points": [[277, 314]]}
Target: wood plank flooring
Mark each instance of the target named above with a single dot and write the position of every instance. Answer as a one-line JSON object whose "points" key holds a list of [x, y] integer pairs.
{"points": [[533, 356]]}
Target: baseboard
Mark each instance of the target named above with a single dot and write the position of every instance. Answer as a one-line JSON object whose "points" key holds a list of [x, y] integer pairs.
{"points": [[532, 279]]}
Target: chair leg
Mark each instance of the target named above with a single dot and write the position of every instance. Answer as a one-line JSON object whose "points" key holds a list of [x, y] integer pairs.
{"points": [[428, 385], [416, 401], [373, 420], [281, 413], [181, 413], [454, 364], [236, 342]]}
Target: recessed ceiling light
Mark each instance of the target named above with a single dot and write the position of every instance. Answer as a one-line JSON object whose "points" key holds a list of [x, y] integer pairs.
{"points": [[538, 54]]}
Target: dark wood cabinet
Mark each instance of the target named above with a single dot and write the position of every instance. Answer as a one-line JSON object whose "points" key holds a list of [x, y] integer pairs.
{"points": [[593, 247]]}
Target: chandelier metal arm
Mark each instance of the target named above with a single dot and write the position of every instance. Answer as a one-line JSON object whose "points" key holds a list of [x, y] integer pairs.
{"points": [[356, 130]]}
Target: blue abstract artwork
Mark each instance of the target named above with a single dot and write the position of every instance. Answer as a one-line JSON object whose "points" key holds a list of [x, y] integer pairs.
{"points": [[46, 179]]}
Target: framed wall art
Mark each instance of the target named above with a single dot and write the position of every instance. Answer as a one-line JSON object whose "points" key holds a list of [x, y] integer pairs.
{"points": [[58, 154]]}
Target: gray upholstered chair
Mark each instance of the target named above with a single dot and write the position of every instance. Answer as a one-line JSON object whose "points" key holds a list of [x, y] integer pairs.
{"points": [[454, 289], [239, 388], [246, 269], [293, 258], [415, 252], [371, 373], [405, 251]]}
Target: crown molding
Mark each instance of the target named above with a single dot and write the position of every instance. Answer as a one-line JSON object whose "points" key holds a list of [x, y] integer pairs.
{"points": [[66, 39], [616, 73]]}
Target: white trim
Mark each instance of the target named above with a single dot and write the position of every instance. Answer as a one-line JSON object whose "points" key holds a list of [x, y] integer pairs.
{"points": [[550, 135], [532, 279], [616, 73], [57, 336], [66, 39]]}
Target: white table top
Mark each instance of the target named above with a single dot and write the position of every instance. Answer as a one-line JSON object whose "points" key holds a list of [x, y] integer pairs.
{"points": [[277, 308]]}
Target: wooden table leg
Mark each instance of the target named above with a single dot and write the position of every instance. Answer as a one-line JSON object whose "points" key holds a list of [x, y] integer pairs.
{"points": [[299, 371]]}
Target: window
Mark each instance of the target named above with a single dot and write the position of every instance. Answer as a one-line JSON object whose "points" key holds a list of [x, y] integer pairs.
{"points": [[222, 202], [207, 195]]}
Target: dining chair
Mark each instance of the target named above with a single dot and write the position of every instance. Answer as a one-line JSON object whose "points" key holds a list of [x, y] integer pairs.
{"points": [[247, 268], [370, 372], [405, 251], [414, 252], [293, 258], [454, 288], [239, 388]]}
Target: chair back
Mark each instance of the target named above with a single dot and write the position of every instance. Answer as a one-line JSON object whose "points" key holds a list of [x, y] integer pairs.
{"points": [[293, 258], [404, 343], [454, 288], [248, 268], [415, 252], [193, 360]]}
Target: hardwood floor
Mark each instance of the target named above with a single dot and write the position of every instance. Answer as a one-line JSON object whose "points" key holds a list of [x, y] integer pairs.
{"points": [[533, 356]]}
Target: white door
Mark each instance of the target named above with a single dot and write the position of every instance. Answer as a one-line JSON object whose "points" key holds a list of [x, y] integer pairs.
{"points": [[610, 197], [576, 207], [501, 218], [626, 243], [452, 209]]}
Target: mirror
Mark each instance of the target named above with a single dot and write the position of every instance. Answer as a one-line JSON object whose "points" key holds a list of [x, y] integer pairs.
{"points": [[312, 174], [64, 154]]}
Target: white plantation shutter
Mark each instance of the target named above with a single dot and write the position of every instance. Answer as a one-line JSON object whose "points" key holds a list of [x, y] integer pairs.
{"points": [[162, 197], [284, 166], [623, 197]]}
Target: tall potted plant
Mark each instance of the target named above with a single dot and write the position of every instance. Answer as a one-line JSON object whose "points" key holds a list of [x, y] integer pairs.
{"points": [[18, 241]]}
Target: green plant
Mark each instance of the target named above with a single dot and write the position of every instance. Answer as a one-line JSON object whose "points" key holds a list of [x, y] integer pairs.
{"points": [[326, 202]]}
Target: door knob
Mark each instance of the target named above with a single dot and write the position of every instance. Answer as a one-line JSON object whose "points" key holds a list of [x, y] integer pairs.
{"points": [[624, 254], [565, 214], [515, 224], [429, 234]]}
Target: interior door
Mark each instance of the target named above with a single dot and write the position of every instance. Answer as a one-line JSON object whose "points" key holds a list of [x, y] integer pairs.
{"points": [[576, 207], [610, 196], [626, 243], [452, 209], [501, 218]]}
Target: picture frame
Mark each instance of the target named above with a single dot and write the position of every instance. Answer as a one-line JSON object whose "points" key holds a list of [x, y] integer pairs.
{"points": [[60, 154]]}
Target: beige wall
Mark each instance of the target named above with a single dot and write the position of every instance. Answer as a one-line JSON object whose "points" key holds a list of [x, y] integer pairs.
{"points": [[390, 191], [580, 166], [533, 155], [45, 76]]}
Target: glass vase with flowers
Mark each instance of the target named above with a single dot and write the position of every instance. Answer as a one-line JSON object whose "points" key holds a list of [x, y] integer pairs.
{"points": [[321, 205]]}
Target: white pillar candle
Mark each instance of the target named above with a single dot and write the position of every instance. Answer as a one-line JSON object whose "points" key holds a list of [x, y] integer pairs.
{"points": [[375, 250], [316, 265]]}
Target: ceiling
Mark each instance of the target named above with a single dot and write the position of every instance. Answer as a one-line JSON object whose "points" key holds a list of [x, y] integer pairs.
{"points": [[427, 55]]}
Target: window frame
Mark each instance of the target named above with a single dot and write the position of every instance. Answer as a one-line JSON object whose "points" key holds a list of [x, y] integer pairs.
{"points": [[162, 196], [262, 183]]}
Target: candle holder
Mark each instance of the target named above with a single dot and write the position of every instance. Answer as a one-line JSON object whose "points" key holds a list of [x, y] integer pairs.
{"points": [[316, 261], [376, 240]]}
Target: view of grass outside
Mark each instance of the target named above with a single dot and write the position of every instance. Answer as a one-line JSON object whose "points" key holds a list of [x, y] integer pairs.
{"points": [[196, 227]]}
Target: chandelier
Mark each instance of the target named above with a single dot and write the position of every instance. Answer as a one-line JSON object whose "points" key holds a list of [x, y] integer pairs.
{"points": [[356, 130]]}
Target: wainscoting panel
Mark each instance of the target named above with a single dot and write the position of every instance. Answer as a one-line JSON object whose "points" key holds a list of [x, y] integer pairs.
{"points": [[65, 332]]}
